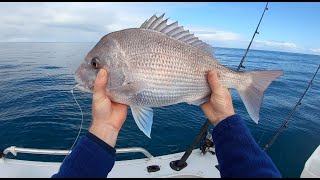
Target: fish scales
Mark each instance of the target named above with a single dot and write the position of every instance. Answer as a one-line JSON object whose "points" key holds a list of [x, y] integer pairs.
{"points": [[170, 68]]}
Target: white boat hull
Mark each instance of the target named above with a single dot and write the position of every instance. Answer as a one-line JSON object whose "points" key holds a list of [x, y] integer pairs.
{"points": [[198, 166]]}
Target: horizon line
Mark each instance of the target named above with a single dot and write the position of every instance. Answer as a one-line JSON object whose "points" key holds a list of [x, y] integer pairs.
{"points": [[212, 46]]}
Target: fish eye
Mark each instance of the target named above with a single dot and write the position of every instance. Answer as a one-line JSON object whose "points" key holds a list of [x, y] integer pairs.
{"points": [[95, 63]]}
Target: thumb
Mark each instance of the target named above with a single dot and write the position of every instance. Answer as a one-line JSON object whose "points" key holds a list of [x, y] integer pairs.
{"points": [[213, 80], [99, 91]]}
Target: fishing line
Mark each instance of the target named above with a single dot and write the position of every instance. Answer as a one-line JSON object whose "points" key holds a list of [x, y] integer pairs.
{"points": [[262, 136], [80, 124], [286, 121]]}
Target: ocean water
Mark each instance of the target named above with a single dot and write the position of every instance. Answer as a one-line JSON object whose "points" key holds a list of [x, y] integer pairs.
{"points": [[37, 109]]}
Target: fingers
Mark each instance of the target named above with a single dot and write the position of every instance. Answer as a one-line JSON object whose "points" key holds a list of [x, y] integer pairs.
{"points": [[99, 91], [213, 80]]}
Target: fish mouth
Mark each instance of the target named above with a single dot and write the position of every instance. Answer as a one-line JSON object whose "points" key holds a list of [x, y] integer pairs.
{"points": [[85, 89], [81, 85]]}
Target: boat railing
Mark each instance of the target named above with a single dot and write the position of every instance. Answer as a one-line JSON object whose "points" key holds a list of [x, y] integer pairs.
{"points": [[15, 150]]}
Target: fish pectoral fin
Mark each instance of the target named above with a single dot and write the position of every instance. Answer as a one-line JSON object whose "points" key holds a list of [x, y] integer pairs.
{"points": [[200, 101], [130, 89], [143, 116]]}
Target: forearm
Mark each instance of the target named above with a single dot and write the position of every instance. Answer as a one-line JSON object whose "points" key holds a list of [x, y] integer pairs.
{"points": [[91, 157], [237, 152]]}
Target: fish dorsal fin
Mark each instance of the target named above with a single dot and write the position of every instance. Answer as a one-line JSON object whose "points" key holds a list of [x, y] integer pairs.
{"points": [[177, 32]]}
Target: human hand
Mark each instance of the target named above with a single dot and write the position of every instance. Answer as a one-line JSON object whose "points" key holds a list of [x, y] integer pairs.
{"points": [[107, 116], [220, 106]]}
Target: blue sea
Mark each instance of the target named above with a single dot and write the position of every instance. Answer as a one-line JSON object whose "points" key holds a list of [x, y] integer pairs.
{"points": [[37, 109]]}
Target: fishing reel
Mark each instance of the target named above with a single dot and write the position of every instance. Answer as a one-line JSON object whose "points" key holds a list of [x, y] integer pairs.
{"points": [[207, 144]]}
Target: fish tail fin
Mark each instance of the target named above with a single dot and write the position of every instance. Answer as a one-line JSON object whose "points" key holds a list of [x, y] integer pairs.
{"points": [[252, 92]]}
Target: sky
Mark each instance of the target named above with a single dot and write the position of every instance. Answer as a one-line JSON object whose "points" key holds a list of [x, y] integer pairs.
{"points": [[286, 26]]}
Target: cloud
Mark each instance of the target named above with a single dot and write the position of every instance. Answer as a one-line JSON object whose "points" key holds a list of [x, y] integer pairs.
{"points": [[74, 22], [315, 50], [212, 34], [89, 21], [275, 44], [283, 46], [223, 39], [66, 21], [220, 36]]}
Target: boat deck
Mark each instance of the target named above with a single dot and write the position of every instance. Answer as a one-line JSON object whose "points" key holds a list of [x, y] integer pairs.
{"points": [[198, 166]]}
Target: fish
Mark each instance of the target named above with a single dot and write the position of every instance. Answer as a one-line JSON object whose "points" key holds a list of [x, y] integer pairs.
{"points": [[161, 64]]}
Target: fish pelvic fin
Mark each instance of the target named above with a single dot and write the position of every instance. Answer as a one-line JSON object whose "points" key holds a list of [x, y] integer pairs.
{"points": [[252, 93]]}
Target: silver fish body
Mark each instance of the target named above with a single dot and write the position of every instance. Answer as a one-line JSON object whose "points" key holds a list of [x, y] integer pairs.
{"points": [[171, 71], [151, 68]]}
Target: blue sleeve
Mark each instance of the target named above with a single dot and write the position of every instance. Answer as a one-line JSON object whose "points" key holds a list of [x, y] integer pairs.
{"points": [[91, 157], [238, 153]]}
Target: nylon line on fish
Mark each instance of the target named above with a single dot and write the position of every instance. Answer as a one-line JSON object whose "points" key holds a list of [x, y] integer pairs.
{"points": [[81, 125]]}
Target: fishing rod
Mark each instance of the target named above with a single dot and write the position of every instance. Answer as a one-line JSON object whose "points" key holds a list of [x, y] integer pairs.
{"points": [[180, 164], [254, 34], [286, 121]]}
